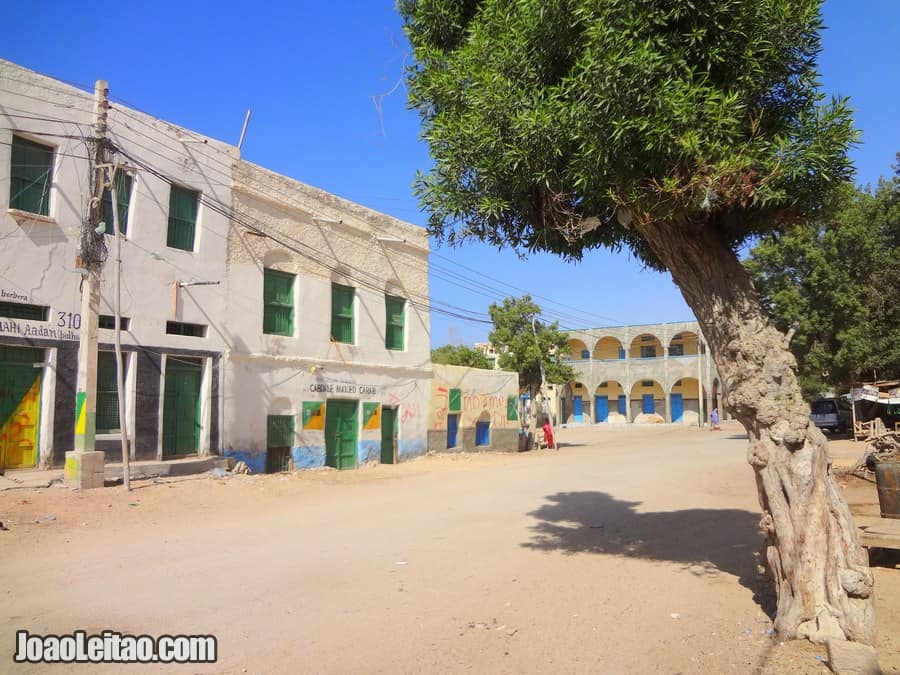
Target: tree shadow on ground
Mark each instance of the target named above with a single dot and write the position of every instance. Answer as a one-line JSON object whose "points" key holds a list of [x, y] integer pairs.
{"points": [[706, 541]]}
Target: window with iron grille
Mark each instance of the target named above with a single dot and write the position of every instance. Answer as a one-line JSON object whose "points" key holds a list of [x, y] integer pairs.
{"points": [[30, 176], [182, 218], [342, 313], [123, 198], [278, 300], [188, 329], [107, 393], [394, 322], [108, 322], [20, 310]]}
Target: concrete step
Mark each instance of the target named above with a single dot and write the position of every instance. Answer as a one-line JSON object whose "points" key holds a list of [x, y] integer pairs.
{"points": [[186, 466], [40, 478]]}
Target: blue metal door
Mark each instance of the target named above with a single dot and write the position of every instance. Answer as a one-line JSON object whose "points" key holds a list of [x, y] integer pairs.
{"points": [[482, 433], [577, 408], [677, 407], [452, 427], [623, 404], [601, 405], [647, 405]]}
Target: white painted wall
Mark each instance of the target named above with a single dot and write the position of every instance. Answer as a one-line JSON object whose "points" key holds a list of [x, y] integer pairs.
{"points": [[37, 261], [321, 239], [261, 374]]}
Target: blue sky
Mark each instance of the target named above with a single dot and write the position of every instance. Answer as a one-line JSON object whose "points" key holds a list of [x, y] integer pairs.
{"points": [[329, 109]]}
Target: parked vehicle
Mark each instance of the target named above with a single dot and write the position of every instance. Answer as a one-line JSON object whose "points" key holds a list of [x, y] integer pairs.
{"points": [[831, 413]]}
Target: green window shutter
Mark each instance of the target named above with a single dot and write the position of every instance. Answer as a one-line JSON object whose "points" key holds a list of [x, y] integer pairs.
{"points": [[182, 218], [278, 300], [455, 400], [342, 313], [512, 407], [394, 322], [30, 176], [123, 196], [107, 393]]}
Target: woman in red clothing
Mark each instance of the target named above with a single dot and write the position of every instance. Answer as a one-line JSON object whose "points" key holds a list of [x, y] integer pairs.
{"points": [[548, 434]]}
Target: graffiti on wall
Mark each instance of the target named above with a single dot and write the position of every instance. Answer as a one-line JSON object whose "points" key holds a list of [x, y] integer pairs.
{"points": [[472, 407], [408, 411]]}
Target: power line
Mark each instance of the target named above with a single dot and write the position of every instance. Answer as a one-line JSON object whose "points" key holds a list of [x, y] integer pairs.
{"points": [[310, 253], [447, 275]]}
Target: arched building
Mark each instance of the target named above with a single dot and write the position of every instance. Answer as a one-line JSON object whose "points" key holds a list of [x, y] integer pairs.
{"points": [[640, 374]]}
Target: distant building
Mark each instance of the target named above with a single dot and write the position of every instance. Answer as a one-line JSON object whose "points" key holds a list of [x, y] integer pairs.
{"points": [[640, 374], [473, 409], [488, 350]]}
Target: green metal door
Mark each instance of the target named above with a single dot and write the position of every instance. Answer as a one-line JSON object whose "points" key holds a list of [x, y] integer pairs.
{"points": [[340, 434], [181, 406], [279, 439], [388, 435], [20, 403]]}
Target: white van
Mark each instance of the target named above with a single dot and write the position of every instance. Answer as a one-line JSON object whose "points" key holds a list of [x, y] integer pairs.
{"points": [[831, 413]]}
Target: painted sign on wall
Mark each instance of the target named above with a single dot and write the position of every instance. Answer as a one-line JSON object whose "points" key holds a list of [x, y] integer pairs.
{"points": [[371, 416], [313, 415]]}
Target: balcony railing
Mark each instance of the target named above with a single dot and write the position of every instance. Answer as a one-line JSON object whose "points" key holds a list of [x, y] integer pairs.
{"points": [[642, 359]]}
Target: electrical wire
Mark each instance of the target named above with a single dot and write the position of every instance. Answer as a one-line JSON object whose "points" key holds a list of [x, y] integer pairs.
{"points": [[466, 282], [304, 250], [444, 274]]}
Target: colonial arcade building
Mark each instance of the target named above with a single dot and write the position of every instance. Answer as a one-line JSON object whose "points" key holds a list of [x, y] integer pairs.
{"points": [[640, 374]]}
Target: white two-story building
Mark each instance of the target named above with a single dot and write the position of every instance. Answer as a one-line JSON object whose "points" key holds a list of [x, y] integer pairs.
{"points": [[263, 318]]}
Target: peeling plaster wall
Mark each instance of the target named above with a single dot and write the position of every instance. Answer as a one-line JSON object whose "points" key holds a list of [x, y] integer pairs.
{"points": [[338, 241], [37, 260], [484, 395], [272, 374]]}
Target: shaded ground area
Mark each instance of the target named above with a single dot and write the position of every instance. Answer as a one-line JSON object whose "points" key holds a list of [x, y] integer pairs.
{"points": [[627, 551], [705, 541]]}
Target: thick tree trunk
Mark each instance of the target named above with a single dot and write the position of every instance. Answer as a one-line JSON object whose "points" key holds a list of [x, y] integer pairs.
{"points": [[821, 573]]}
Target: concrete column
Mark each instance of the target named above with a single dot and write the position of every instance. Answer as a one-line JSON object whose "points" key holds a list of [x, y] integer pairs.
{"points": [[84, 465]]}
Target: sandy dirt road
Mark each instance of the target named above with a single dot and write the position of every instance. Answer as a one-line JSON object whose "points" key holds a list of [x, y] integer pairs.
{"points": [[626, 551]]}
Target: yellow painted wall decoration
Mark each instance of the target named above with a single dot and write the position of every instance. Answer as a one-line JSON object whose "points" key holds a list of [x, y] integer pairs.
{"points": [[313, 415], [371, 416], [18, 435]]}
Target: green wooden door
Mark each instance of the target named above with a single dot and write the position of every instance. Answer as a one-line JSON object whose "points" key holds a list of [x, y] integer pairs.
{"points": [[20, 402], [388, 435], [340, 434], [181, 406]]}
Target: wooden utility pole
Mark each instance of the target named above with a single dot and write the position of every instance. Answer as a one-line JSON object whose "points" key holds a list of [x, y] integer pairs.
{"points": [[700, 406], [540, 408], [84, 467], [120, 380]]}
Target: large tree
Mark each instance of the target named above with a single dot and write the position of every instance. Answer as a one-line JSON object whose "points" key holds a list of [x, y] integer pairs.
{"points": [[679, 131], [835, 283], [531, 347]]}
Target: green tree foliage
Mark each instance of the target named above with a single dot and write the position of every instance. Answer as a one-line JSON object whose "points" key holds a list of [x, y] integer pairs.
{"points": [[837, 283], [525, 343], [460, 355], [554, 123], [679, 130]]}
